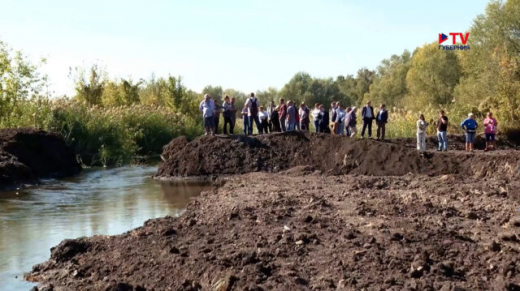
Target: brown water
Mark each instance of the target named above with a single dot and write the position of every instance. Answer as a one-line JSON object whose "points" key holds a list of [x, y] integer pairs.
{"points": [[102, 201]]}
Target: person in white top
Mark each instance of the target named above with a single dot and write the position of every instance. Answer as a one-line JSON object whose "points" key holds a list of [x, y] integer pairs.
{"points": [[264, 124], [207, 107], [315, 120], [421, 133]]}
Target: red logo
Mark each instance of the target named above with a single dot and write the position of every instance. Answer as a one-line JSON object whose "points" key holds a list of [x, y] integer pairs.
{"points": [[463, 39]]}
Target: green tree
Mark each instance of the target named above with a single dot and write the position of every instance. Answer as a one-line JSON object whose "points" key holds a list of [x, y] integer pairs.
{"points": [[296, 87], [355, 88], [266, 96], [154, 92], [19, 80], [120, 93], [491, 67], [90, 88], [432, 77], [389, 86]]}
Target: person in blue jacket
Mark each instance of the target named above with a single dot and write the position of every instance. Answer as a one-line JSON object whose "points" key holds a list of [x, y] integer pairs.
{"points": [[470, 126]]}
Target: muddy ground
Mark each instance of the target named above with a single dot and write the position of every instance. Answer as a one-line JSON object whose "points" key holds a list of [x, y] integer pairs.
{"points": [[333, 155], [27, 155], [453, 227]]}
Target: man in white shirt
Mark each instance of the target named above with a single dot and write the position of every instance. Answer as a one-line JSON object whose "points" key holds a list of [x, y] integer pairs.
{"points": [[262, 115], [252, 113], [207, 107]]}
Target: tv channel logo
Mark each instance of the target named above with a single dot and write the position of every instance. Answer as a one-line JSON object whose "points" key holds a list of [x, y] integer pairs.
{"points": [[454, 45]]}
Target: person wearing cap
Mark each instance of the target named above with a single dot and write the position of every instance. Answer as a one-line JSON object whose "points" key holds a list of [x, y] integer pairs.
{"points": [[490, 129], [470, 126], [207, 107]]}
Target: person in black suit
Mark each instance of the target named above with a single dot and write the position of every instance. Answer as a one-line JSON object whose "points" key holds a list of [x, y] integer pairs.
{"points": [[381, 120], [367, 113], [324, 120]]}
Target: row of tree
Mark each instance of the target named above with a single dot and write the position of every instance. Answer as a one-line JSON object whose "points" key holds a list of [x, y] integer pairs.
{"points": [[486, 77]]}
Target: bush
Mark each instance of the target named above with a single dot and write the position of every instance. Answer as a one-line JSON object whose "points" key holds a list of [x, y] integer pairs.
{"points": [[105, 136]]}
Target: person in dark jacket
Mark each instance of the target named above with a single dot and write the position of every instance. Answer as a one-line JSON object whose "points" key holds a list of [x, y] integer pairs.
{"points": [[324, 120], [367, 113], [347, 128], [229, 114], [275, 121], [381, 120]]}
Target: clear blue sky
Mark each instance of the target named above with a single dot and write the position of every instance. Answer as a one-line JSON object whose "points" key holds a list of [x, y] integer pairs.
{"points": [[246, 45]]}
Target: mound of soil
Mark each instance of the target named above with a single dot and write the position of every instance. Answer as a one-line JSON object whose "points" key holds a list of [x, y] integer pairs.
{"points": [[457, 142], [227, 155], [300, 230], [28, 154]]}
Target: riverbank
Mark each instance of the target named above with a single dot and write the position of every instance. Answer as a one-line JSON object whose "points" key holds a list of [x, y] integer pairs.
{"points": [[301, 230], [28, 155], [366, 215]]}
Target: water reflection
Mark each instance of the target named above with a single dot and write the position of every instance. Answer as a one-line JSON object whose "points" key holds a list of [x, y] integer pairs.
{"points": [[108, 202]]}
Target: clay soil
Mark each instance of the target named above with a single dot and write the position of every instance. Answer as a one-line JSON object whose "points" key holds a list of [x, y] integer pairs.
{"points": [[378, 216]]}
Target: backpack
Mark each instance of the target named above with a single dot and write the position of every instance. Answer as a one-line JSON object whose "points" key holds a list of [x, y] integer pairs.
{"points": [[254, 107]]}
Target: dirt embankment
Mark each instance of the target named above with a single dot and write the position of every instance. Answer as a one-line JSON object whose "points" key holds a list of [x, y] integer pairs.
{"points": [[388, 219], [27, 155], [207, 156], [300, 230]]}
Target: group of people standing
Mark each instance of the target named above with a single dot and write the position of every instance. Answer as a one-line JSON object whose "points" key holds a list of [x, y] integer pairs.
{"points": [[287, 116], [469, 125]]}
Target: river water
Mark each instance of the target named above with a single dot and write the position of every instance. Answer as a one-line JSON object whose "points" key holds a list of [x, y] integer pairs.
{"points": [[101, 201]]}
